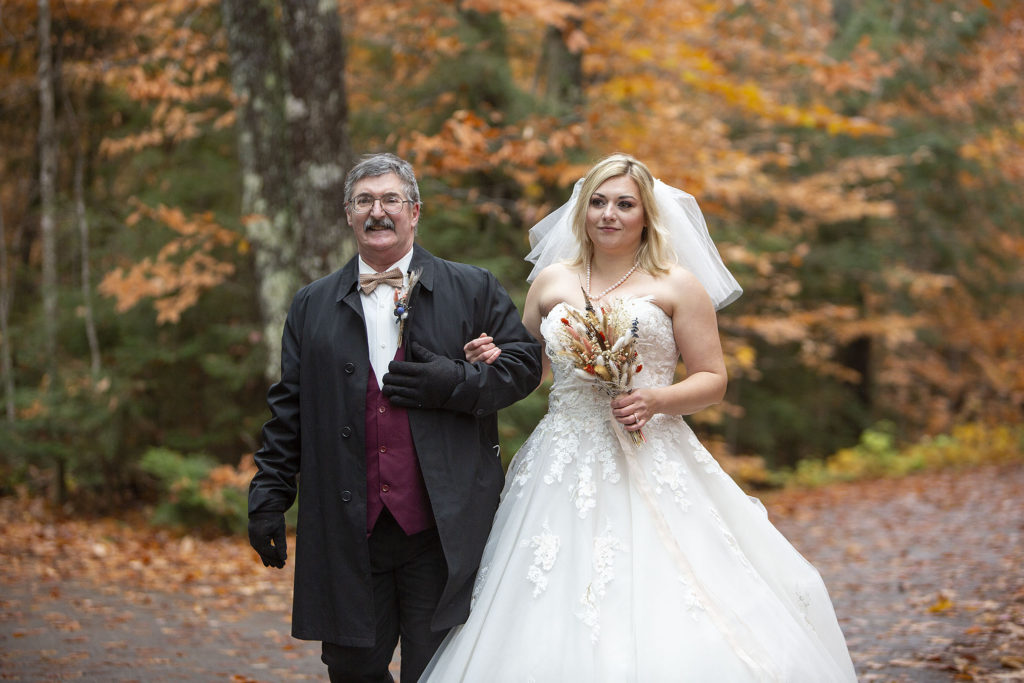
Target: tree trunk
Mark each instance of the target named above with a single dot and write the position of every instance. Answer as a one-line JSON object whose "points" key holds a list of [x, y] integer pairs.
{"points": [[6, 368], [83, 234], [317, 111], [47, 186], [561, 70], [257, 74], [48, 219]]}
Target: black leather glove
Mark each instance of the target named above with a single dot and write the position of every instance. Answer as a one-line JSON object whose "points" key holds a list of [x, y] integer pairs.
{"points": [[427, 381], [266, 536]]}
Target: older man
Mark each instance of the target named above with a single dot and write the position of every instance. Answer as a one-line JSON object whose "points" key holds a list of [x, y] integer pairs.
{"points": [[394, 436]]}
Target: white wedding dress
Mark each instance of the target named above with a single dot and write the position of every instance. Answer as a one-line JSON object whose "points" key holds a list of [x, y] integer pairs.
{"points": [[610, 562]]}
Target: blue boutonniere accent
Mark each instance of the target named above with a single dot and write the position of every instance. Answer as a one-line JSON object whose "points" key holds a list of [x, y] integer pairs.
{"points": [[403, 303]]}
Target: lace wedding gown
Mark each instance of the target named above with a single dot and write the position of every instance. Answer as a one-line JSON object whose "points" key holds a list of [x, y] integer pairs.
{"points": [[610, 562]]}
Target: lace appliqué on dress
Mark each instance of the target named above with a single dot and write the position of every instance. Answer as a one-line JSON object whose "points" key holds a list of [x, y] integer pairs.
{"points": [[691, 601], [523, 465], [669, 474], [704, 457], [581, 411], [566, 444], [803, 600], [731, 541], [478, 586], [598, 460], [545, 551], [603, 567]]}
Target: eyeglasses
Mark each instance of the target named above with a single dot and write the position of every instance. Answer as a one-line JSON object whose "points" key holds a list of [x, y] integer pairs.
{"points": [[391, 203]]}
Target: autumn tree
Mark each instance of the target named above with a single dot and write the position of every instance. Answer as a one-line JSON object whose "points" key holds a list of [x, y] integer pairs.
{"points": [[287, 65], [99, 423], [858, 163], [856, 286], [780, 118], [316, 107], [258, 79], [287, 69], [957, 101]]}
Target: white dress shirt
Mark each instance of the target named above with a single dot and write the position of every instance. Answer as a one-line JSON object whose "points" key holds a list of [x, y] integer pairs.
{"points": [[381, 323]]}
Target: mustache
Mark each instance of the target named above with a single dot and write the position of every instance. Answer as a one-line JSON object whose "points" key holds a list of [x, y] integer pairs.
{"points": [[384, 222]]}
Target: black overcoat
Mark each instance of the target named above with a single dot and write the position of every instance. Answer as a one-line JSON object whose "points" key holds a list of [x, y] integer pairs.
{"points": [[316, 435]]}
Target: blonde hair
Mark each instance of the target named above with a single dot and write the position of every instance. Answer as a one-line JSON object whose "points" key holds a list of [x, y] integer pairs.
{"points": [[655, 254]]}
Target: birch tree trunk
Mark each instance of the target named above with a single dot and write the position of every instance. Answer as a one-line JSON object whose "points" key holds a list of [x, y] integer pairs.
{"points": [[83, 234], [6, 368], [257, 74], [48, 218], [47, 187], [317, 109]]}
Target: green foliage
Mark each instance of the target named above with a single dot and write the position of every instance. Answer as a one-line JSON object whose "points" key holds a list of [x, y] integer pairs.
{"points": [[879, 454], [193, 386], [791, 413], [188, 499]]}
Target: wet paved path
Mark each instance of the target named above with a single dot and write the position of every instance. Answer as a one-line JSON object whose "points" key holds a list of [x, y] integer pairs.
{"points": [[925, 574]]}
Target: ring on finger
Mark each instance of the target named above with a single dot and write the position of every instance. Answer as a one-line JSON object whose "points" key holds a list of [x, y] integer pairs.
{"points": [[636, 420]]}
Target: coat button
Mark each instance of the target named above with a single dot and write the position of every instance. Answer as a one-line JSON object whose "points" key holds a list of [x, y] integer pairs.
{"points": [[349, 368], [346, 432], [346, 496], [385, 488]]}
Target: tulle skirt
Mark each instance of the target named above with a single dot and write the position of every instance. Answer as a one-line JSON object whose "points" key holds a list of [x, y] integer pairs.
{"points": [[610, 562]]}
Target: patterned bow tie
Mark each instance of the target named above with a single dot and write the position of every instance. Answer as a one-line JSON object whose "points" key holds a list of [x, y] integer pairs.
{"points": [[369, 281]]}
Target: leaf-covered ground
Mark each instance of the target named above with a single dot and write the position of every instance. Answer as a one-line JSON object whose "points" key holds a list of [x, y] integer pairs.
{"points": [[926, 572]]}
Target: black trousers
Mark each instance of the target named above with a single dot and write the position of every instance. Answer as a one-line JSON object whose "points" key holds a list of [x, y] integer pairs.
{"points": [[408, 574]]}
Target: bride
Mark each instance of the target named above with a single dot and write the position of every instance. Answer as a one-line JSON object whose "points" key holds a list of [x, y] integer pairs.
{"points": [[610, 561]]}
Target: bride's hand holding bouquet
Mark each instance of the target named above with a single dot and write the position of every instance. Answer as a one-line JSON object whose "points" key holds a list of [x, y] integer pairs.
{"points": [[601, 344]]}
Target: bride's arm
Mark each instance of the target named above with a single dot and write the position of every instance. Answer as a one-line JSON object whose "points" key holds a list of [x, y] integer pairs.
{"points": [[483, 349], [695, 328]]}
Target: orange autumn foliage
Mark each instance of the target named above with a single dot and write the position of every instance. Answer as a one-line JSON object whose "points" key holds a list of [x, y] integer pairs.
{"points": [[730, 101], [183, 268]]}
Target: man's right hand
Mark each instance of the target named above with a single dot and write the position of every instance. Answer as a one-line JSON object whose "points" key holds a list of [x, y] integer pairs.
{"points": [[266, 536]]}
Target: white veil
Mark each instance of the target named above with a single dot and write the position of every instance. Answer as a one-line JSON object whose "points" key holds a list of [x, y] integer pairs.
{"points": [[551, 240]]}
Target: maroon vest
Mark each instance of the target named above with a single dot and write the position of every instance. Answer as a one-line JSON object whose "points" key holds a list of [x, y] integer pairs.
{"points": [[393, 476]]}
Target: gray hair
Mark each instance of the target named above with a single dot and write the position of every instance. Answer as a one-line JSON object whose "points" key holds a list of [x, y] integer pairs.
{"points": [[373, 165]]}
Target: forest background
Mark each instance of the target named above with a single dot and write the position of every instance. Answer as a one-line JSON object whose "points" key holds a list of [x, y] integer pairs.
{"points": [[172, 173]]}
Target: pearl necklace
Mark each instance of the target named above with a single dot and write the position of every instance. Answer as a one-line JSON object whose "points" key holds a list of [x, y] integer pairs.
{"points": [[621, 280]]}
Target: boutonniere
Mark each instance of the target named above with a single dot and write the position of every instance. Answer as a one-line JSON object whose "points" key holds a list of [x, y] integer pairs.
{"points": [[402, 302]]}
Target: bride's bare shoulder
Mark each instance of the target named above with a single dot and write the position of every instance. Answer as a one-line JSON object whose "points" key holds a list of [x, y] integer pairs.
{"points": [[558, 273], [681, 279], [554, 284], [679, 290], [557, 278]]}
